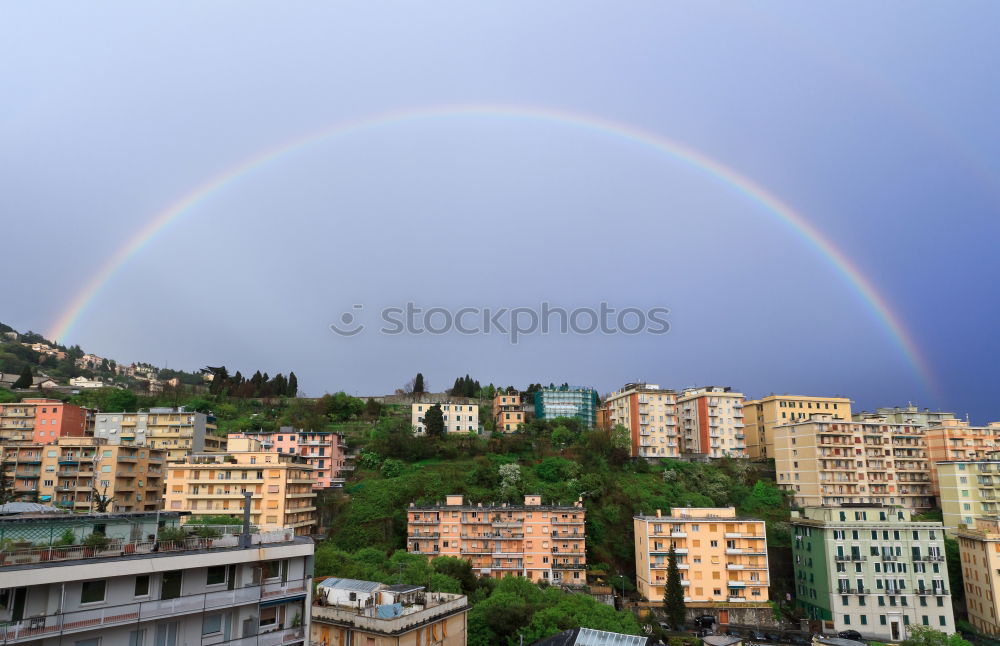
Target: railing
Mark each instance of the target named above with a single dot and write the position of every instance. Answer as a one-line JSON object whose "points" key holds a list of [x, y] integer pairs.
{"points": [[352, 617], [32, 628]]}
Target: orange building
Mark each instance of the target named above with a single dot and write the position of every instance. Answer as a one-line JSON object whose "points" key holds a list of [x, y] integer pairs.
{"points": [[955, 440], [540, 542], [711, 421], [721, 558], [507, 411], [41, 421], [650, 414]]}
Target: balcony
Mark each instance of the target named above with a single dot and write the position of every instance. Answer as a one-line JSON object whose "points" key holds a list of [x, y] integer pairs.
{"points": [[850, 557]]}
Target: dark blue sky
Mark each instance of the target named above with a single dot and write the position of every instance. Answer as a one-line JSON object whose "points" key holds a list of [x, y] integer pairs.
{"points": [[876, 121]]}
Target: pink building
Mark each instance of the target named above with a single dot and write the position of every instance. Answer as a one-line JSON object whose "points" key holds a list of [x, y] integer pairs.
{"points": [[322, 449]]}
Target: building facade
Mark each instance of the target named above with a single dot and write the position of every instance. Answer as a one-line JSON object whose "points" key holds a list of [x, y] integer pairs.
{"points": [[650, 414], [81, 474], [979, 552], [967, 490], [41, 421], [909, 414], [349, 612], [829, 461], [871, 569], [176, 431], [281, 486], [508, 413], [323, 451], [540, 542], [761, 416], [722, 558], [711, 422], [128, 593], [458, 418], [580, 403]]}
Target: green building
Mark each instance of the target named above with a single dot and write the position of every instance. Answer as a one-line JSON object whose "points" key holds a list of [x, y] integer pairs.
{"points": [[871, 569], [567, 402]]}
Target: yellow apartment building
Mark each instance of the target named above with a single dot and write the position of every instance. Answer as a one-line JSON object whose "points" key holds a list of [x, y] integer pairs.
{"points": [[458, 418], [650, 414], [76, 472], [174, 430], [281, 486], [508, 414], [711, 421], [979, 550], [722, 558], [540, 542], [828, 461], [966, 490], [762, 415]]}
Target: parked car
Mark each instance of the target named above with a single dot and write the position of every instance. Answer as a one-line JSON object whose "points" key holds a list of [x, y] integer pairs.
{"points": [[850, 634], [755, 636], [705, 621], [773, 638], [797, 639]]}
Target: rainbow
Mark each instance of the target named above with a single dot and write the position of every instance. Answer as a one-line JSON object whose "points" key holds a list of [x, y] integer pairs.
{"points": [[768, 202]]}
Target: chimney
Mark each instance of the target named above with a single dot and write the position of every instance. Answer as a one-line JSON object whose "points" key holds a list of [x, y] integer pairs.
{"points": [[659, 514]]}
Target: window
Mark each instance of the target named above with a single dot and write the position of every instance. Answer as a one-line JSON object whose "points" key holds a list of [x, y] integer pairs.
{"points": [[268, 616], [215, 575], [170, 587], [212, 624], [93, 591], [141, 589], [137, 637]]}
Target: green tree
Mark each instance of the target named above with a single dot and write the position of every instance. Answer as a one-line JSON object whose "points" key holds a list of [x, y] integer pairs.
{"points": [[25, 380], [927, 636], [621, 437], [434, 421], [293, 385], [955, 579], [458, 569], [673, 600], [418, 383], [6, 488], [373, 409], [6, 396]]}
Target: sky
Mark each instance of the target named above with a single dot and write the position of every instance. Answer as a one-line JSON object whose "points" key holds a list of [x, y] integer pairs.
{"points": [[874, 122]]}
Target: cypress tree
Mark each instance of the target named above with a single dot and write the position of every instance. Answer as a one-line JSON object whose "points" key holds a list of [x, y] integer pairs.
{"points": [[418, 383], [293, 385], [673, 599], [25, 380]]}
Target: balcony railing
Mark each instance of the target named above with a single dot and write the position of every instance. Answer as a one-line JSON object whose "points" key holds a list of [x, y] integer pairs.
{"points": [[40, 627]]}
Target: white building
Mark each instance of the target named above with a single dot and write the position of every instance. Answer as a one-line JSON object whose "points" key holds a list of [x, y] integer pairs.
{"points": [[83, 382], [458, 418], [133, 591]]}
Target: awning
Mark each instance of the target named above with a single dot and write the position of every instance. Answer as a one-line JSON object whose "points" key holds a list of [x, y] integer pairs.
{"points": [[278, 602], [45, 497]]}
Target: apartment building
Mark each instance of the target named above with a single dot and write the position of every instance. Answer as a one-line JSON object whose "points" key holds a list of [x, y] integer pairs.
{"points": [[722, 558], [323, 451], [458, 418], [967, 489], [349, 611], [80, 474], [134, 592], [41, 421], [508, 412], [580, 403], [908, 414], [826, 460], [175, 430], [872, 569], [211, 484], [979, 551], [540, 542], [762, 415], [711, 422], [650, 414]]}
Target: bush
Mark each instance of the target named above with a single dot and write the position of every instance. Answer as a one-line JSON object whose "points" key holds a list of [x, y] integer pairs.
{"points": [[97, 540], [172, 534]]}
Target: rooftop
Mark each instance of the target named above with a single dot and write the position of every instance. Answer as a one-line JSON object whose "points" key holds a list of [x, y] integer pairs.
{"points": [[591, 637], [390, 618]]}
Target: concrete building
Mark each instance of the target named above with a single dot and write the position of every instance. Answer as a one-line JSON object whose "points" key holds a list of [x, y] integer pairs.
{"points": [[540, 542], [458, 418], [76, 473], [580, 403], [211, 484], [829, 461], [175, 430], [349, 612], [711, 422], [83, 382], [41, 421], [908, 414], [323, 451], [966, 490], [193, 591], [722, 558], [762, 415], [871, 569], [508, 414], [979, 551], [650, 414]]}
